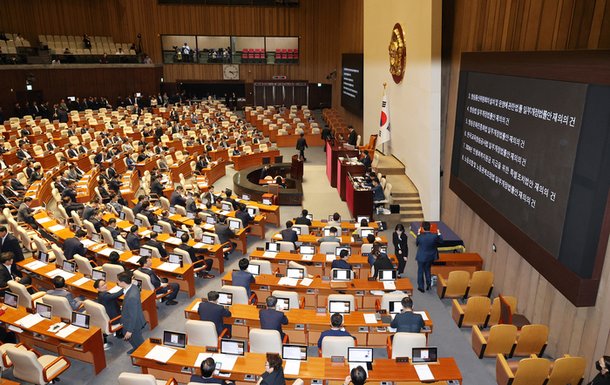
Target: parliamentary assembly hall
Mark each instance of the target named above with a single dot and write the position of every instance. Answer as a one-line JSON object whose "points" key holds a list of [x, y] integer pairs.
{"points": [[305, 192]]}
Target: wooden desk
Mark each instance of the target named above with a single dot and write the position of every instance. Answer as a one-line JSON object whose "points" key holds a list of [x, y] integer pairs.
{"points": [[85, 186], [215, 171], [449, 262], [345, 240], [47, 160], [255, 159], [359, 201], [332, 155], [314, 368], [84, 344], [343, 169], [183, 167], [346, 226]]}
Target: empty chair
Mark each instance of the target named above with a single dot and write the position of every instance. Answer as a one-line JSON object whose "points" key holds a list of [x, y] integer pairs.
{"points": [[265, 266], [240, 296], [203, 333], [5, 362], [100, 318], [500, 339], [530, 371], [59, 254], [112, 271], [129, 214], [531, 339], [293, 298], [83, 265], [455, 286], [474, 312], [143, 219], [127, 378], [89, 227], [26, 299], [336, 346], [107, 236], [304, 229], [328, 247], [180, 210], [286, 246], [403, 343], [164, 203], [264, 341], [37, 370], [481, 283], [567, 370], [61, 306], [342, 297], [494, 314]]}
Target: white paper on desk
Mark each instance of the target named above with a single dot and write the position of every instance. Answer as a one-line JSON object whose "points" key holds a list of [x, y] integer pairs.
{"points": [[29, 320], [389, 285], [292, 367], [88, 242], [195, 308], [145, 233], [56, 327], [160, 353], [307, 257], [34, 265], [423, 372], [106, 252], [330, 257], [134, 260], [287, 281], [369, 318], [81, 281], [44, 220], [200, 245], [115, 289], [306, 282], [173, 241], [168, 266], [55, 228], [61, 273], [228, 360], [422, 314], [269, 254], [125, 191], [378, 239], [224, 212], [201, 357], [63, 333], [208, 227]]}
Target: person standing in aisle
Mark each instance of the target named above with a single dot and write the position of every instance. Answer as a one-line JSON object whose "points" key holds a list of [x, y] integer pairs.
{"points": [[401, 247], [301, 146]]}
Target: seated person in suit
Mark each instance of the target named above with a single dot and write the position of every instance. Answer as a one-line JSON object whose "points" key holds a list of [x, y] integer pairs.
{"points": [[357, 376], [336, 329], [224, 235], [330, 238], [115, 259], [378, 194], [407, 321], [152, 242], [110, 301], [112, 228], [177, 198], [243, 277], [272, 319], [133, 239], [193, 255], [207, 371], [242, 213], [6, 262], [146, 268], [60, 290], [341, 263], [26, 214], [213, 312], [336, 220], [74, 246], [303, 220], [382, 261], [288, 234], [274, 373]]}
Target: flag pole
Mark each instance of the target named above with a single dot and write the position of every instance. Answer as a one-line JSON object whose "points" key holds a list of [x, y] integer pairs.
{"points": [[383, 144]]}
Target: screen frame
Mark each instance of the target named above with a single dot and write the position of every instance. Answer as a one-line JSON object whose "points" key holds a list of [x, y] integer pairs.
{"points": [[243, 345], [170, 332], [87, 318], [295, 346], [349, 306], [350, 349]]}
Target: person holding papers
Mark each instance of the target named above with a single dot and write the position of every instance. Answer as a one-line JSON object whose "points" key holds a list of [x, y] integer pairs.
{"points": [[60, 290], [356, 377], [272, 319], [146, 268], [336, 329], [207, 371], [132, 316], [213, 312], [341, 263], [74, 245], [110, 301], [274, 373], [407, 321], [243, 277]]}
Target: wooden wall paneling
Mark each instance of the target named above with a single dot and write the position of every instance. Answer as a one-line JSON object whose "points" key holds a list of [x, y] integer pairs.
{"points": [[604, 35], [596, 23]]}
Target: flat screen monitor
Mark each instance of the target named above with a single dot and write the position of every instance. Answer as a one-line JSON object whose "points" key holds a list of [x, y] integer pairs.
{"points": [[296, 230], [234, 224], [233, 347], [97, 238], [308, 249], [210, 220], [43, 257], [282, 304], [11, 299], [295, 272], [341, 275], [359, 218], [365, 231], [338, 250], [387, 275], [267, 201], [179, 233], [174, 339], [122, 215], [119, 245], [395, 307], [72, 98], [172, 210], [81, 320], [138, 222], [294, 352], [69, 266], [207, 239], [44, 310], [342, 307], [251, 212], [225, 299], [145, 252], [190, 215], [245, 197], [157, 229], [175, 258], [425, 355], [359, 354], [227, 207], [272, 246], [98, 274], [383, 249], [254, 269], [309, 216]]}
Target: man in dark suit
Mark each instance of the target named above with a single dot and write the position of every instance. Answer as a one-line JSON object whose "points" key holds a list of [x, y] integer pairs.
{"points": [[26, 214], [6, 274], [303, 220], [352, 138], [60, 290], [132, 316], [336, 329], [193, 255], [427, 253], [243, 277], [288, 234], [133, 239], [242, 213], [224, 235], [110, 301], [74, 246], [366, 159], [341, 263], [213, 312], [152, 242], [272, 319], [301, 146], [177, 198], [407, 321], [146, 268], [8, 242], [22, 153]]}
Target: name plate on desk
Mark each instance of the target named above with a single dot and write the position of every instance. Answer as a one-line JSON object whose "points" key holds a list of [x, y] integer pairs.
{"points": [[363, 329], [264, 288], [337, 359], [311, 291], [359, 293], [250, 377], [240, 321], [299, 327]]}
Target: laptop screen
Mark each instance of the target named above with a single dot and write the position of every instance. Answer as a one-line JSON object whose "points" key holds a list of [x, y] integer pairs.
{"points": [[43, 310], [227, 206], [272, 246], [98, 274], [207, 239], [80, 319], [157, 229], [252, 212], [179, 233], [174, 339], [145, 252], [69, 266], [267, 201], [425, 355], [296, 230], [122, 215], [295, 272], [308, 249], [338, 250], [43, 257], [234, 224], [359, 218], [282, 304], [294, 352], [138, 222], [210, 220], [96, 237], [342, 307], [254, 269], [175, 258], [245, 197], [387, 275], [119, 245], [359, 354], [225, 299], [365, 231], [395, 307], [233, 347], [342, 275], [11, 299]]}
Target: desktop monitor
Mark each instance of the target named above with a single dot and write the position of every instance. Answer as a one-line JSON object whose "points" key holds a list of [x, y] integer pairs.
{"points": [[282, 304], [119, 245], [245, 197], [295, 272], [341, 275], [383, 249], [225, 299], [251, 212], [175, 258], [210, 220], [233, 347], [80, 319], [122, 215], [207, 239], [387, 275], [294, 352], [157, 229], [234, 224], [138, 222], [72, 98], [365, 231], [328, 234], [339, 248], [267, 201], [254, 269], [330, 218], [342, 307], [360, 355], [307, 249], [297, 230], [424, 355], [272, 246], [174, 339], [44, 310], [227, 207], [43, 257], [309, 216], [97, 238], [179, 233], [190, 215], [145, 252], [69, 266], [98, 274], [172, 210], [395, 307], [11, 299], [359, 218]]}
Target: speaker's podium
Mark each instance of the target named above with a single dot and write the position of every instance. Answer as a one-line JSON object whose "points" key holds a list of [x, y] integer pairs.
{"points": [[296, 168]]}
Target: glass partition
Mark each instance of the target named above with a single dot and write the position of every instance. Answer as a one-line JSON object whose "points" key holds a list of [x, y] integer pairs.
{"points": [[179, 48]]}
